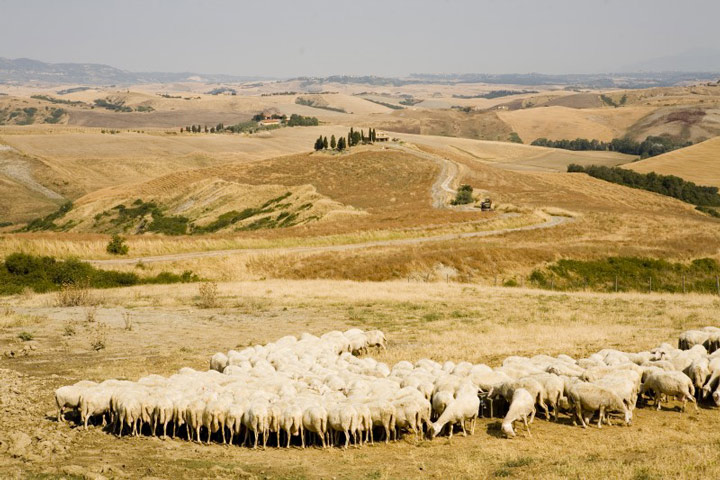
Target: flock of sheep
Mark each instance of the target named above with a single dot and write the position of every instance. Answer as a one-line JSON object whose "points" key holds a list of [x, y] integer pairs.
{"points": [[317, 390]]}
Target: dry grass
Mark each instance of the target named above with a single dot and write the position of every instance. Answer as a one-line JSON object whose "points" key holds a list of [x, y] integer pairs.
{"points": [[698, 163], [559, 122], [74, 295], [439, 321]]}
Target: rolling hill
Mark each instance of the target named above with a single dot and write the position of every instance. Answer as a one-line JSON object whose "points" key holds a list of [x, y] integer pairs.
{"points": [[697, 163]]}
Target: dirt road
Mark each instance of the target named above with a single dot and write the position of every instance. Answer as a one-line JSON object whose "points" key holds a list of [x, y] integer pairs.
{"points": [[552, 221]]}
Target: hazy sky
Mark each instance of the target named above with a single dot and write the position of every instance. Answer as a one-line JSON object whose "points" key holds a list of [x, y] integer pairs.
{"points": [[390, 37]]}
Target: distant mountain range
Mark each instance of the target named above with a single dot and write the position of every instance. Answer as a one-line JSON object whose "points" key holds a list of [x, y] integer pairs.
{"points": [[707, 62], [25, 70]]}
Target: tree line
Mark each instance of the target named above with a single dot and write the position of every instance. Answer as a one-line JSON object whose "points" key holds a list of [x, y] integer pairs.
{"points": [[353, 138], [252, 125], [669, 185], [650, 147]]}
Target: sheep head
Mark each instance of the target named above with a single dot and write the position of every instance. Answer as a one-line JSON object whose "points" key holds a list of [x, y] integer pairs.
{"points": [[507, 429]]}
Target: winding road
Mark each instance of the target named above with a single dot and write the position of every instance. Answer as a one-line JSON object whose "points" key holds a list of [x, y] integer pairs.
{"points": [[440, 190]]}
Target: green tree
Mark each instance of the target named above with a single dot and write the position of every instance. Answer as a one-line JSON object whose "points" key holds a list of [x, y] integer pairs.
{"points": [[463, 195], [333, 142], [341, 144], [319, 145], [325, 143], [117, 246]]}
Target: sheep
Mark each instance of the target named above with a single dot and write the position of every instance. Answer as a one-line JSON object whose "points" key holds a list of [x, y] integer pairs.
{"points": [[522, 406], [699, 372], [691, 338], [318, 385], [552, 392], [590, 398], [219, 361], [671, 384], [376, 338], [68, 397], [256, 420], [314, 420], [383, 415], [94, 400], [343, 417], [440, 401], [461, 409]]}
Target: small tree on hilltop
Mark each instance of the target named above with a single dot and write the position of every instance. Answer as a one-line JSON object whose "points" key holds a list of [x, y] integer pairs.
{"points": [[117, 246], [319, 143], [333, 142], [325, 143], [341, 144]]}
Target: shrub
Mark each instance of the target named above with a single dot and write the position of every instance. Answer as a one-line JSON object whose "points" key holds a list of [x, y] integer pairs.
{"points": [[117, 246], [74, 295], [514, 137], [69, 330], [463, 195], [26, 336], [208, 292], [632, 273], [98, 340], [21, 271]]}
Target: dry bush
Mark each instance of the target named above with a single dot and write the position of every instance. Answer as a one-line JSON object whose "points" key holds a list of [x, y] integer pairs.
{"points": [[127, 318], [69, 330], [208, 293], [98, 337], [90, 314], [74, 295]]}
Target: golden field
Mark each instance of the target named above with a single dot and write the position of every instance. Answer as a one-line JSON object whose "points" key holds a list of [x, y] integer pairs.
{"points": [[437, 320]]}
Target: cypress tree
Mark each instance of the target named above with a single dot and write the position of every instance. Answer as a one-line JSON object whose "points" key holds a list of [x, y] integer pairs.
{"points": [[333, 142], [325, 143]]}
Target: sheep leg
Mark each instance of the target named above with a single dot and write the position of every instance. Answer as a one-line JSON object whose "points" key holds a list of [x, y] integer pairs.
{"points": [[302, 438], [579, 415], [527, 427], [462, 425], [601, 415], [657, 400], [532, 415]]}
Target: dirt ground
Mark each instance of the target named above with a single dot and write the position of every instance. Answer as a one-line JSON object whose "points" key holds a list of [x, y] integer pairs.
{"points": [[160, 329]]}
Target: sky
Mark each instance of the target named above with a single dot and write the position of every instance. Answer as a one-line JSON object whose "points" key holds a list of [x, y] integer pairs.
{"points": [[287, 38]]}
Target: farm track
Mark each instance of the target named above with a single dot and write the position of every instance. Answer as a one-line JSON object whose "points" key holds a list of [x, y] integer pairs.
{"points": [[441, 188]]}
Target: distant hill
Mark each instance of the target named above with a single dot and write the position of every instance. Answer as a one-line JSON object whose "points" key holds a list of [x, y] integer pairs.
{"points": [[696, 60], [25, 70]]}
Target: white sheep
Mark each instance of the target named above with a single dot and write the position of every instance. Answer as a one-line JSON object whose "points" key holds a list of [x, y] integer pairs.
{"points": [[522, 406], [460, 410], [588, 398], [68, 397], [671, 384]]}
